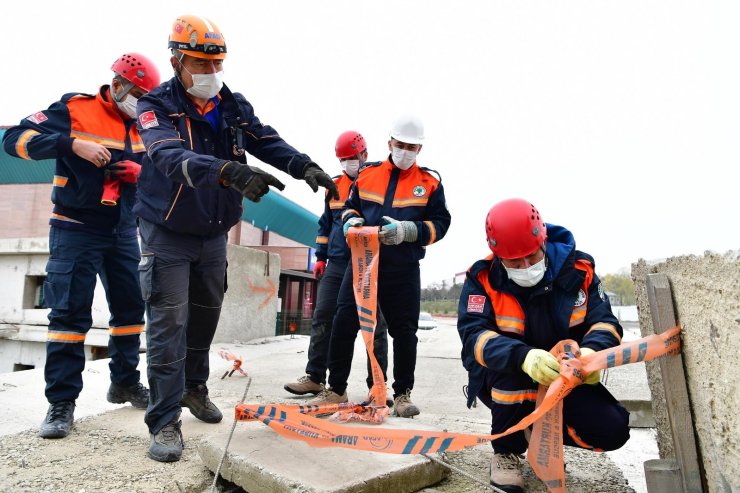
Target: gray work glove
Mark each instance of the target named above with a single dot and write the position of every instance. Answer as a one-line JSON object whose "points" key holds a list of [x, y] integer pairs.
{"points": [[353, 221], [315, 176], [396, 232], [249, 181]]}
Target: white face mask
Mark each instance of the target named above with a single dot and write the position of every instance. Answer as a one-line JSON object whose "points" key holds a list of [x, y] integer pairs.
{"points": [[403, 159], [528, 277], [351, 167], [128, 106], [206, 86]]}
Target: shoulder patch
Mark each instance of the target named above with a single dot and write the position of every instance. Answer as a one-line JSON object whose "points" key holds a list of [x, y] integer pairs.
{"points": [[602, 294], [476, 302], [37, 117], [148, 119], [581, 299]]}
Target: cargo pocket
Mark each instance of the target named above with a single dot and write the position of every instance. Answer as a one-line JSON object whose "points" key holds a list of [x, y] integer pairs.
{"points": [[146, 271], [58, 282]]}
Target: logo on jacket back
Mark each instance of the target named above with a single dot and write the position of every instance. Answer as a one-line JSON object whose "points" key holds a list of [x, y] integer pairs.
{"points": [[419, 191], [148, 120], [476, 302], [37, 118]]}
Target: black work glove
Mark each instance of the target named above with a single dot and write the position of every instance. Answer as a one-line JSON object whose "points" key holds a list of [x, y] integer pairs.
{"points": [[315, 176], [249, 181]]}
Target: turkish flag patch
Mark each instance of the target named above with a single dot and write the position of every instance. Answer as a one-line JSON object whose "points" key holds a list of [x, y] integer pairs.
{"points": [[37, 118], [476, 302], [148, 120]]}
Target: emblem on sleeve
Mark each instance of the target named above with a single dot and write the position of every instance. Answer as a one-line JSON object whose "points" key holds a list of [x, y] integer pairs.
{"points": [[602, 294], [581, 299], [148, 120], [419, 191], [476, 302], [37, 118]]}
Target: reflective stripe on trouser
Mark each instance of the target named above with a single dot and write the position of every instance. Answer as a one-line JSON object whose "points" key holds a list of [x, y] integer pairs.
{"points": [[399, 289], [183, 283], [76, 258], [592, 417], [321, 326]]}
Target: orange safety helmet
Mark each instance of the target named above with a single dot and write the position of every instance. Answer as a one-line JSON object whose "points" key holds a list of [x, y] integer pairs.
{"points": [[349, 144], [198, 37], [138, 70], [514, 229]]}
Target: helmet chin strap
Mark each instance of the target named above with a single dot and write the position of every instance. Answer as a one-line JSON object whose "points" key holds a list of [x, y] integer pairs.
{"points": [[126, 88]]}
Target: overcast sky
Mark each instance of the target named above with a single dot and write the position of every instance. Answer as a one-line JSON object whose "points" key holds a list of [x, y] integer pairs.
{"points": [[619, 120]]}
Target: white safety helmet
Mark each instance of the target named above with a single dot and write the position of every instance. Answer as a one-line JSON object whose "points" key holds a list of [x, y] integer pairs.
{"points": [[408, 129]]}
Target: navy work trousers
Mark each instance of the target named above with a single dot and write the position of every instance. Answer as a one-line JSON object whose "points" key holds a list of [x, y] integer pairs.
{"points": [[76, 259], [399, 291], [322, 323], [592, 418], [183, 280]]}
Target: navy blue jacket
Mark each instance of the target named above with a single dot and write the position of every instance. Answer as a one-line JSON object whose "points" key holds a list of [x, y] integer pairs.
{"points": [[565, 304], [330, 241], [415, 194], [78, 184], [179, 186]]}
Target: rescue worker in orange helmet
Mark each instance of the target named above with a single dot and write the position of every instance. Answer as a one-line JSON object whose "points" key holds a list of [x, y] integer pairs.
{"points": [[408, 203], [194, 178], [534, 291], [91, 137], [332, 257]]}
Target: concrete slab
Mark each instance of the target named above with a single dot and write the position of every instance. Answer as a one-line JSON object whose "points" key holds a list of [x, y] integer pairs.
{"points": [[261, 462]]}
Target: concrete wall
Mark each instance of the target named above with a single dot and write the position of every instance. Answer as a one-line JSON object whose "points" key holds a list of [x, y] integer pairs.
{"points": [[706, 294], [251, 302]]}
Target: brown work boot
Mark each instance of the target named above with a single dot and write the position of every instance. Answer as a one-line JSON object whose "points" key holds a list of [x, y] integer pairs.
{"points": [[506, 472], [328, 396], [303, 386], [404, 407]]}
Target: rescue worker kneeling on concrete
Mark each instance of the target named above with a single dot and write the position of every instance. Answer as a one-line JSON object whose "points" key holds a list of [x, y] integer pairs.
{"points": [[89, 236], [534, 291]]}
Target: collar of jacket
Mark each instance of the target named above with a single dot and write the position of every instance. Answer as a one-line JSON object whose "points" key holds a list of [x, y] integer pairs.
{"points": [[228, 105]]}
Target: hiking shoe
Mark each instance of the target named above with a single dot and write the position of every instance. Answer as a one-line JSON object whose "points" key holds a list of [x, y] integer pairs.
{"points": [[506, 472], [303, 386], [328, 396], [58, 421], [166, 445], [196, 399], [137, 395], [404, 407]]}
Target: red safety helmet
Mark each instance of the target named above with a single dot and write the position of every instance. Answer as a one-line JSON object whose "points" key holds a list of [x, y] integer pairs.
{"points": [[349, 144], [514, 229], [138, 70]]}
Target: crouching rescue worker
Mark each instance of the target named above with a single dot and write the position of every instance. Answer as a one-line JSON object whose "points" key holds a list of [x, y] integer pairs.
{"points": [[97, 149], [193, 180], [534, 291]]}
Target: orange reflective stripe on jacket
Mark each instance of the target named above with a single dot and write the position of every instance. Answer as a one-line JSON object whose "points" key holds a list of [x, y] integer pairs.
{"points": [[513, 396], [509, 314], [344, 183]]}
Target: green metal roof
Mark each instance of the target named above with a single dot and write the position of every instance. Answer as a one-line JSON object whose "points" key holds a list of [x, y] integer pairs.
{"points": [[273, 213]]}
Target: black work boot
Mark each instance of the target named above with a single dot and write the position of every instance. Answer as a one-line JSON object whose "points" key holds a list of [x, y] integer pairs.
{"points": [[58, 421], [196, 399], [137, 395], [166, 445]]}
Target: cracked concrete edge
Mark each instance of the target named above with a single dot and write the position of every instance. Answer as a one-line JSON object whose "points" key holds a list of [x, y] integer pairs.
{"points": [[256, 479]]}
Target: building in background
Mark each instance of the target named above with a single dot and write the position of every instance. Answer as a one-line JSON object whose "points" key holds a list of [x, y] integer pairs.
{"points": [[275, 225]]}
